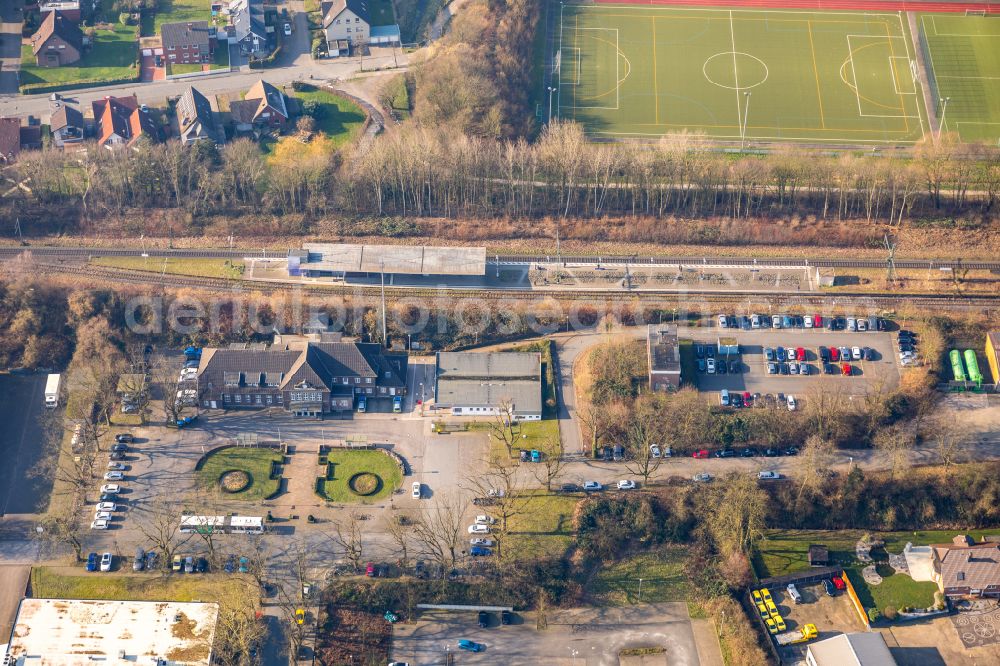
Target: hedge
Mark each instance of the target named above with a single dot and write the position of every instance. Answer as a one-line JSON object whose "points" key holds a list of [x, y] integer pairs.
{"points": [[39, 88]]}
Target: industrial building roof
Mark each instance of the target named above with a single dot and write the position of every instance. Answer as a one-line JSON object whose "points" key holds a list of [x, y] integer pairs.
{"points": [[69, 632], [662, 348], [404, 259], [485, 379], [857, 649]]}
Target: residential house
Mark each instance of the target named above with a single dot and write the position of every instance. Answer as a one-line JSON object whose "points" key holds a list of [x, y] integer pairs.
{"points": [[664, 358], [818, 555], [309, 375], [248, 29], [855, 649], [263, 105], [189, 43], [121, 121], [10, 139], [69, 8], [58, 41], [195, 118], [67, 126], [966, 569], [346, 21], [489, 383]]}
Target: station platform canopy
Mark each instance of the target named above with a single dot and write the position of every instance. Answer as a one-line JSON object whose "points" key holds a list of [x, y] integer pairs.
{"points": [[400, 259]]}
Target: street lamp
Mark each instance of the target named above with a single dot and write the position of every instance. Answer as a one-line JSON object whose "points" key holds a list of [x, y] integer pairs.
{"points": [[746, 111], [944, 109], [551, 90], [640, 589]]}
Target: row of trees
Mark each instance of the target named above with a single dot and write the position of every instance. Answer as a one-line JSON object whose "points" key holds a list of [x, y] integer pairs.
{"points": [[435, 171]]}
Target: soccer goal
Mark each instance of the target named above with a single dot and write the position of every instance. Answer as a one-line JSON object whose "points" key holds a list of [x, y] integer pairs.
{"points": [[975, 12]]}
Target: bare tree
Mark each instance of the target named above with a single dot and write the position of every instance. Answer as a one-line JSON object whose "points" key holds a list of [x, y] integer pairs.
{"points": [[160, 525], [644, 430], [61, 528], [400, 528], [348, 534], [505, 426], [239, 628], [737, 522], [951, 438], [813, 463], [551, 466], [896, 442], [440, 535]]}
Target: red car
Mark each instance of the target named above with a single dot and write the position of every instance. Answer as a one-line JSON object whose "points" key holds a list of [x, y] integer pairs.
{"points": [[846, 369], [800, 354], [834, 354], [817, 321], [838, 583], [700, 454], [747, 398], [370, 570]]}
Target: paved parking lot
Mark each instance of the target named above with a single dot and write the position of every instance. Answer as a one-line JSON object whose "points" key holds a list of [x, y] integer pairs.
{"points": [[592, 636], [831, 615], [753, 376]]}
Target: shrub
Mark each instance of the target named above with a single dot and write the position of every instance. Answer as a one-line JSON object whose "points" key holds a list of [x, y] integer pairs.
{"points": [[873, 615], [890, 613]]}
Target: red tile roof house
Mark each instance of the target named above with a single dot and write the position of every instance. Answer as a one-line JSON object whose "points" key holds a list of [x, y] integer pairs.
{"points": [[59, 41], [967, 569], [120, 122], [188, 43], [263, 105]]}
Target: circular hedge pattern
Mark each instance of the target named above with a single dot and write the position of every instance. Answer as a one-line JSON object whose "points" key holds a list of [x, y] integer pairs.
{"points": [[235, 481], [365, 483]]}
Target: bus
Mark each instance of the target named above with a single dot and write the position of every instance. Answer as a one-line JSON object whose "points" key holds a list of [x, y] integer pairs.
{"points": [[222, 524]]}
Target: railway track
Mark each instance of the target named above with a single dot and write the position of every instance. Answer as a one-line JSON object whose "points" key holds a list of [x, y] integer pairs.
{"points": [[523, 259], [885, 301]]}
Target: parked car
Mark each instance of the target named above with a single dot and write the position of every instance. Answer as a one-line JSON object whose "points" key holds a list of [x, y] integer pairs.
{"points": [[829, 587], [230, 565], [201, 565], [481, 541], [626, 484], [592, 486], [470, 646], [839, 583], [100, 524], [775, 321], [479, 529], [703, 453], [152, 560], [793, 592], [791, 451], [703, 477], [106, 506], [506, 617], [370, 570], [768, 354], [117, 466], [856, 353], [824, 354], [845, 369], [654, 451], [617, 454], [569, 488], [111, 488], [479, 551], [867, 353], [748, 452], [768, 476], [415, 490], [124, 438], [103, 515], [702, 366], [710, 363], [397, 404], [724, 453], [92, 562], [484, 619], [834, 354], [189, 564], [288, 29], [177, 564], [107, 559], [862, 324], [119, 448], [244, 566], [790, 401], [483, 519], [734, 367], [116, 475]]}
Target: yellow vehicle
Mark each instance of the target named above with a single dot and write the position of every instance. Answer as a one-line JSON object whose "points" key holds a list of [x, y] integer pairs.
{"points": [[800, 635], [300, 616], [757, 599], [780, 623], [766, 594], [762, 609], [771, 626], [771, 608]]}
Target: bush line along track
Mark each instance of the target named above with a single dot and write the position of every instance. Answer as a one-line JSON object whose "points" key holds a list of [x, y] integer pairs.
{"points": [[776, 262], [883, 300]]}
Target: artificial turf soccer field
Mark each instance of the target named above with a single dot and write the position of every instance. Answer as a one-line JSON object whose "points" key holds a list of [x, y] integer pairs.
{"points": [[965, 52], [817, 77]]}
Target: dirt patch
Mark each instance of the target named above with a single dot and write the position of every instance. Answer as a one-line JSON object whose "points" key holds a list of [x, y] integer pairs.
{"points": [[831, 615], [352, 636]]}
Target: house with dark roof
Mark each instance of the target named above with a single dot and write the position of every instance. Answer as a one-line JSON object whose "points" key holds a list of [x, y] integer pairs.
{"points": [[121, 121], [58, 41], [247, 28], [346, 21], [188, 43], [488, 383], [69, 8], [966, 569], [195, 118], [664, 359], [304, 375], [10, 139], [67, 126], [263, 105]]}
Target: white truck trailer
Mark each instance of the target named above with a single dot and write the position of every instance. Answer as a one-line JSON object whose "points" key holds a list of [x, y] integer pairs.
{"points": [[52, 391]]}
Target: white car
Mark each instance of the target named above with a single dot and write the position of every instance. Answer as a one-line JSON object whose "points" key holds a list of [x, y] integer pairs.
{"points": [[99, 525], [496, 492], [479, 529], [710, 365], [288, 29], [626, 484], [111, 488], [862, 324], [765, 476], [856, 353], [793, 592], [103, 515], [107, 506], [592, 485], [114, 476], [723, 321], [807, 322], [654, 451], [704, 476], [790, 401], [106, 560], [117, 466], [480, 541], [415, 493], [483, 519]]}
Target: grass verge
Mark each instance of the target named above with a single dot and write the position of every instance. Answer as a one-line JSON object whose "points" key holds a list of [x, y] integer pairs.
{"points": [[545, 528], [216, 268], [50, 583], [662, 574], [343, 464], [253, 461]]}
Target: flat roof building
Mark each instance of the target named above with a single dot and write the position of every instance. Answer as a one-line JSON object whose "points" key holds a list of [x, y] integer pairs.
{"points": [[664, 358], [340, 259], [857, 649], [478, 383], [70, 632]]}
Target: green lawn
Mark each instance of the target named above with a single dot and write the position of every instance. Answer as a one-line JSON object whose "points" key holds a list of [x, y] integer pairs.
{"points": [[662, 573], [965, 60], [545, 527], [112, 57], [179, 11], [337, 117], [255, 461], [344, 464], [541, 435], [629, 72], [397, 95], [219, 268], [785, 551], [48, 583]]}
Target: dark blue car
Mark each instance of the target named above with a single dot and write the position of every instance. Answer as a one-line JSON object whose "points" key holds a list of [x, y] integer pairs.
{"points": [[92, 562], [478, 551]]}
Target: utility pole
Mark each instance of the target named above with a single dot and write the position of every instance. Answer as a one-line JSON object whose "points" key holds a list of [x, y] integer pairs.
{"points": [[746, 111], [551, 90], [890, 261]]}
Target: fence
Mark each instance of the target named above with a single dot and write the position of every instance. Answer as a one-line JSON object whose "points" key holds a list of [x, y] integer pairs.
{"points": [[925, 49]]}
